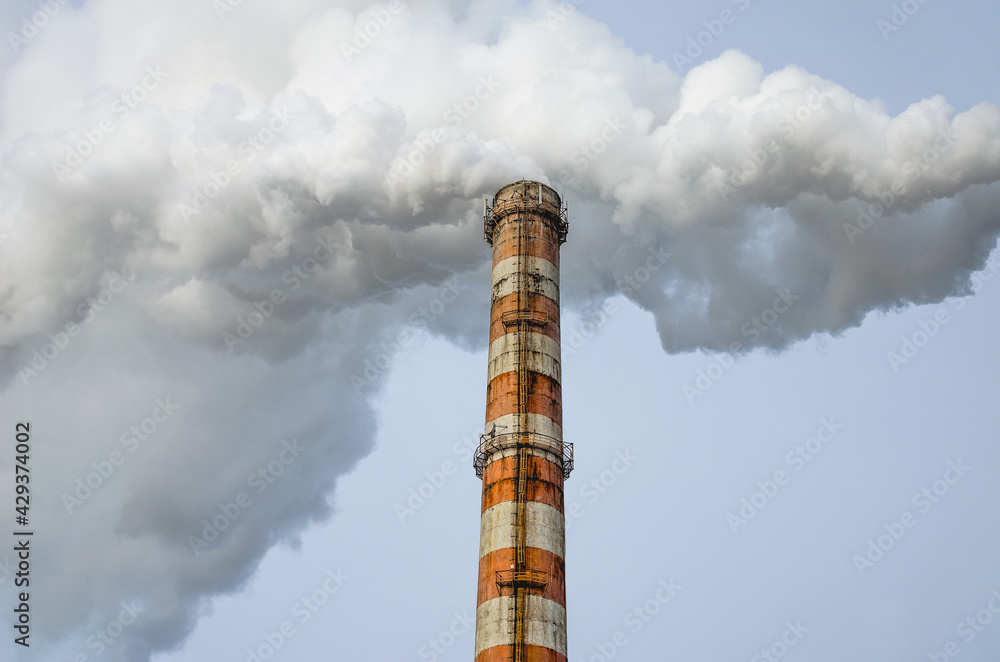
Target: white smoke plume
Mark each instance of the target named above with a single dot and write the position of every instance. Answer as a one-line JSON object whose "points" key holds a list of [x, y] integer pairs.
{"points": [[214, 214]]}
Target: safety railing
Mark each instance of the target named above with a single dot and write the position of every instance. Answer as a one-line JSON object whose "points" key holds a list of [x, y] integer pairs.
{"points": [[494, 212], [511, 441]]}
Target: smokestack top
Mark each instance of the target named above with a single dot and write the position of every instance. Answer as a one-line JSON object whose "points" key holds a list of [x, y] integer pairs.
{"points": [[526, 196], [528, 190]]}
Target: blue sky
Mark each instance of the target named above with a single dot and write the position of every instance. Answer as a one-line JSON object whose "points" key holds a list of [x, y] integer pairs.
{"points": [[873, 534]]}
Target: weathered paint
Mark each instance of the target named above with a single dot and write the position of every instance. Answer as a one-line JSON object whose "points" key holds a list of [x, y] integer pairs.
{"points": [[545, 482], [542, 242], [531, 654], [546, 528], [545, 450], [524, 453], [545, 624], [535, 276], [542, 355], [544, 396], [546, 309], [535, 423], [523, 270], [538, 559]]}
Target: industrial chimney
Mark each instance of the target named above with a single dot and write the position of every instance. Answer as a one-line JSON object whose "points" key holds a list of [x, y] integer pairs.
{"points": [[523, 461]]}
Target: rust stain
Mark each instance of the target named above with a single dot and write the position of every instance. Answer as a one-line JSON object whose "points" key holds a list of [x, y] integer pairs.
{"points": [[534, 302], [544, 396], [545, 482], [531, 654], [538, 559], [541, 241], [527, 220]]}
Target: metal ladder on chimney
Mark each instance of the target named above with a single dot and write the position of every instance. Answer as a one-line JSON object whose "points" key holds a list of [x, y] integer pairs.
{"points": [[519, 605], [522, 579], [520, 561]]}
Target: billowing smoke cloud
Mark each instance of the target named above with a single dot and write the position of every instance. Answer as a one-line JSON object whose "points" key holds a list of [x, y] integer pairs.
{"points": [[215, 214]]}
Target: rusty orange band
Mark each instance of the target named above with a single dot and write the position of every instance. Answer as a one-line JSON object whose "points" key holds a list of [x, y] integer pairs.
{"points": [[544, 396], [545, 482], [544, 308], [531, 654], [537, 559], [539, 239]]}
